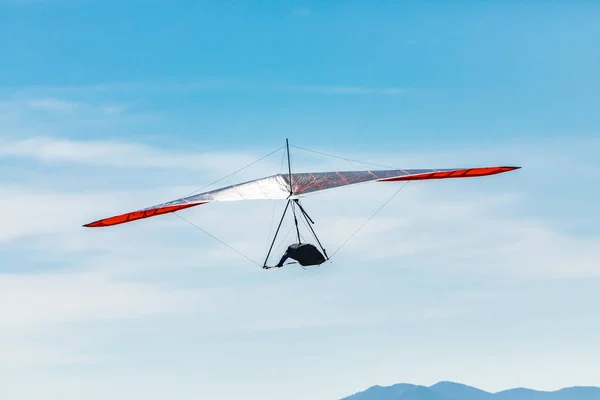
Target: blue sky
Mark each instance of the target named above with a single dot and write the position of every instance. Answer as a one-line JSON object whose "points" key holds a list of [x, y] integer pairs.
{"points": [[107, 107]]}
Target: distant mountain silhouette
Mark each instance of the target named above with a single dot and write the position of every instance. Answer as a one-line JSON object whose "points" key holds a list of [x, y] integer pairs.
{"points": [[458, 391], [463, 392]]}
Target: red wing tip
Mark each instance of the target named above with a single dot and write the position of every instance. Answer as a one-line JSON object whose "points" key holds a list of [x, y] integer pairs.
{"points": [[137, 215], [95, 224], [456, 173], [102, 223], [507, 168]]}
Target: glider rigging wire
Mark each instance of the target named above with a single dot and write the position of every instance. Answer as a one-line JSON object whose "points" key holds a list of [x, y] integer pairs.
{"points": [[219, 180], [291, 187], [306, 220], [373, 215], [217, 239], [235, 172], [370, 218], [275, 202], [340, 158]]}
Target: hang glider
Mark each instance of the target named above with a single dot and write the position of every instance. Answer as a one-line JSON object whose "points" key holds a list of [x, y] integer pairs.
{"points": [[294, 185]]}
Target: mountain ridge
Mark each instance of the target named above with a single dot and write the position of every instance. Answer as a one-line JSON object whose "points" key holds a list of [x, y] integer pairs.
{"points": [[446, 390]]}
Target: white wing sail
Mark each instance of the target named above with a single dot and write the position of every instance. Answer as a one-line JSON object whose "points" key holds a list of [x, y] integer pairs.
{"points": [[278, 187]]}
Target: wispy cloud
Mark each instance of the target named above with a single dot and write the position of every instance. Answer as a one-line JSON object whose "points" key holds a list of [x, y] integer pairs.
{"points": [[30, 108], [112, 153], [346, 90], [214, 84], [51, 104]]}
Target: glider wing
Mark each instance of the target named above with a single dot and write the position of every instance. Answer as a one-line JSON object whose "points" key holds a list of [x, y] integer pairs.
{"points": [[272, 187], [278, 187], [312, 182]]}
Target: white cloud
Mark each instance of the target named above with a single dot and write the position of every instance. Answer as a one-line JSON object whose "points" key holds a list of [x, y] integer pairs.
{"points": [[27, 354], [50, 298], [27, 211], [115, 154]]}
